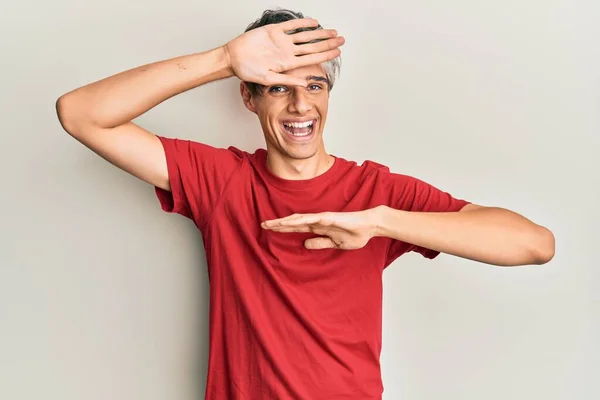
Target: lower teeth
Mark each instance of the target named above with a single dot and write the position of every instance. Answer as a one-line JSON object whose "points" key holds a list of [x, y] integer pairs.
{"points": [[302, 134], [299, 134]]}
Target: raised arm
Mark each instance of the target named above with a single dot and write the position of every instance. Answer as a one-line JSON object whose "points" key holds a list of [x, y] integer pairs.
{"points": [[99, 114]]}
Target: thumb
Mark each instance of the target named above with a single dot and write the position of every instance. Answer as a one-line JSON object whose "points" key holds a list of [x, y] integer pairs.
{"points": [[319, 243], [274, 78]]}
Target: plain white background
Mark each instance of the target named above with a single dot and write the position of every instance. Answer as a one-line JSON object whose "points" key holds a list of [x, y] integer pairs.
{"points": [[104, 296]]}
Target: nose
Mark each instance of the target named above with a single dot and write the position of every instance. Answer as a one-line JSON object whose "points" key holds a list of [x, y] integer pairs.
{"points": [[299, 102]]}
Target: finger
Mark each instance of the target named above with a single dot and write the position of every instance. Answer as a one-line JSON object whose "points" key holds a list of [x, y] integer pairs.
{"points": [[316, 58], [323, 219], [289, 229], [317, 230], [306, 219], [307, 36], [294, 24], [273, 78], [292, 216], [319, 243], [276, 222], [319, 47]]}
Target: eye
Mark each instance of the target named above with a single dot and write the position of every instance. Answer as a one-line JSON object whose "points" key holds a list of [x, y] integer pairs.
{"points": [[276, 89], [314, 86]]}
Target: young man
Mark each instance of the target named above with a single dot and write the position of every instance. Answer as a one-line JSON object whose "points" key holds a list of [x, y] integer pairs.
{"points": [[296, 239]]}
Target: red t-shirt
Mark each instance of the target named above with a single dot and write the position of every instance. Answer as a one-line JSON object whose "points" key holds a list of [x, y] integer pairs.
{"points": [[287, 322]]}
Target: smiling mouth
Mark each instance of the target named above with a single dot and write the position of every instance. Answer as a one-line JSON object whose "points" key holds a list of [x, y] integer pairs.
{"points": [[299, 129]]}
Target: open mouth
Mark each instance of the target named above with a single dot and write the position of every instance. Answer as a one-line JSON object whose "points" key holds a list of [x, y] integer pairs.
{"points": [[299, 129]]}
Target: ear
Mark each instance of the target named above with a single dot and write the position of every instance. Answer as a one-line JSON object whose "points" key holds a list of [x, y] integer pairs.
{"points": [[247, 97]]}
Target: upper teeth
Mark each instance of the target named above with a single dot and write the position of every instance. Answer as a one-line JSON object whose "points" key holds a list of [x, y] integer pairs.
{"points": [[298, 124]]}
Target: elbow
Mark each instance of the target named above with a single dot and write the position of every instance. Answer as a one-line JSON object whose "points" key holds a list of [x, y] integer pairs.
{"points": [[543, 247], [65, 113], [61, 112]]}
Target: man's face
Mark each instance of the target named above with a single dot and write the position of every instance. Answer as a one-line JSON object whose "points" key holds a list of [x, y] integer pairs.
{"points": [[293, 117]]}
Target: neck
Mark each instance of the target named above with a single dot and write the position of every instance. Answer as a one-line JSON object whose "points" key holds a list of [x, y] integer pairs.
{"points": [[299, 169]]}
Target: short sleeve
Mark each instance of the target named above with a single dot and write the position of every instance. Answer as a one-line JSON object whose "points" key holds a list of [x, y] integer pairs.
{"points": [[198, 176], [407, 193]]}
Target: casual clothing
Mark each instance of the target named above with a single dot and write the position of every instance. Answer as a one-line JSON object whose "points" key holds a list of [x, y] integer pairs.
{"points": [[287, 322]]}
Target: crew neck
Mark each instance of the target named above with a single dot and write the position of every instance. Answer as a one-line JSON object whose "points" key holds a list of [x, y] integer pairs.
{"points": [[294, 184]]}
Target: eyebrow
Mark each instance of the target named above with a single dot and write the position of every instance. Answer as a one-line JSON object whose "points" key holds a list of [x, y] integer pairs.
{"points": [[318, 78]]}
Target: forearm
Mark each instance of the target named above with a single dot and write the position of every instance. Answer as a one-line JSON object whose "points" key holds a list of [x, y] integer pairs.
{"points": [[491, 235], [123, 97]]}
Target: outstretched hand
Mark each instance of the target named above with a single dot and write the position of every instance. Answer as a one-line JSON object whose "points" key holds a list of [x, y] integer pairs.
{"points": [[337, 230], [262, 54]]}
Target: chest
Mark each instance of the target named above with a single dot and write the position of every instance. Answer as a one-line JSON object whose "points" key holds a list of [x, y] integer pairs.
{"points": [[241, 213]]}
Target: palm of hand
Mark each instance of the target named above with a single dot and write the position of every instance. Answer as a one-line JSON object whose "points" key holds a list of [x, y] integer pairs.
{"points": [[262, 54], [259, 51]]}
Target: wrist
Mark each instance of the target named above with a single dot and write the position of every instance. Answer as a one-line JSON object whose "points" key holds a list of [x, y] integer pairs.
{"points": [[225, 58], [390, 222], [211, 65], [378, 221]]}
